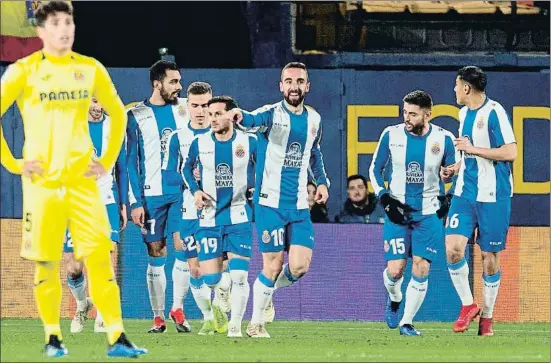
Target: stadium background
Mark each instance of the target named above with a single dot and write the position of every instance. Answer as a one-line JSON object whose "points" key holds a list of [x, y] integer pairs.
{"points": [[358, 94]]}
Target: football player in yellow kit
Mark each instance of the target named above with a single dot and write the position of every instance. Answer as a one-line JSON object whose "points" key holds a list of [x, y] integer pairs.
{"points": [[53, 88]]}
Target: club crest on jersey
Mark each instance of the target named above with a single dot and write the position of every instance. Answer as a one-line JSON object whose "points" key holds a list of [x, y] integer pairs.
{"points": [[223, 176], [240, 151], [78, 76], [435, 149], [480, 123], [182, 111], [293, 157], [165, 134], [414, 173], [266, 237], [386, 246]]}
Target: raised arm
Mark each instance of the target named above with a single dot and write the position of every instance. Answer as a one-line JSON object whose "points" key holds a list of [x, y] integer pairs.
{"points": [[11, 86], [107, 95], [378, 163]]}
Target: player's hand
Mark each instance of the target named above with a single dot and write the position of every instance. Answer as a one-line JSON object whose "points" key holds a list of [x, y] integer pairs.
{"points": [[445, 202], [124, 217], [447, 173], [234, 115], [138, 216], [32, 167], [95, 169], [250, 193], [464, 144], [397, 212], [202, 199], [322, 194], [196, 174]]}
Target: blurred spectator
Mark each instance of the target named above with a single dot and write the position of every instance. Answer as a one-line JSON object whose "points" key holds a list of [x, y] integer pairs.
{"points": [[318, 212], [360, 206]]}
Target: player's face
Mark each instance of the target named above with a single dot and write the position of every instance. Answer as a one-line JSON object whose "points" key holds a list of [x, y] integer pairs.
{"points": [[415, 117], [461, 90], [294, 85], [218, 123], [96, 110], [58, 32], [357, 191], [198, 108], [170, 87]]}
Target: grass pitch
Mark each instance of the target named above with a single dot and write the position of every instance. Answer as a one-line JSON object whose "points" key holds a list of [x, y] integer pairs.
{"points": [[22, 341]]}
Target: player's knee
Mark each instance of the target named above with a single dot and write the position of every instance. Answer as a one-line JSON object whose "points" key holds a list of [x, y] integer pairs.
{"points": [[74, 269], [156, 249], [300, 269], [394, 272], [239, 270], [421, 267], [212, 279], [490, 262]]}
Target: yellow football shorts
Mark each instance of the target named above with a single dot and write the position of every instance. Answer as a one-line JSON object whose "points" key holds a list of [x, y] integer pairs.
{"points": [[47, 212]]}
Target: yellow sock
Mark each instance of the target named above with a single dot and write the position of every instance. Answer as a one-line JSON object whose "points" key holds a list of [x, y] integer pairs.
{"points": [[104, 292], [47, 293]]}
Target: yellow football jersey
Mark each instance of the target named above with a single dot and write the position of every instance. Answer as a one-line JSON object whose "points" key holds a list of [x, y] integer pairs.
{"points": [[53, 94]]}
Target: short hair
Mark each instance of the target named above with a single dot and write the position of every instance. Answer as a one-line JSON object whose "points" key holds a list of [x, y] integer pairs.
{"points": [[199, 88], [356, 177], [227, 100], [50, 8], [473, 76], [298, 65], [157, 72], [419, 98]]}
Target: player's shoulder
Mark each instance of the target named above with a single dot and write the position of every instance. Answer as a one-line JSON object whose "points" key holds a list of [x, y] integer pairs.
{"points": [[137, 107], [182, 103], [31, 59], [393, 129], [312, 111], [245, 135], [463, 113], [495, 106], [86, 60], [442, 131], [268, 107]]}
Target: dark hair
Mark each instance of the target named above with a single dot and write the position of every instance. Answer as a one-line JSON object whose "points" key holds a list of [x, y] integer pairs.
{"points": [[298, 65], [419, 98], [199, 88], [157, 72], [50, 8], [312, 184], [356, 177], [227, 100], [473, 76]]}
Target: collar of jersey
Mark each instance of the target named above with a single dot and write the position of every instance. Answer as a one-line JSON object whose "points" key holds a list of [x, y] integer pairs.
{"points": [[223, 142], [419, 137], [58, 59], [483, 104], [149, 104], [98, 122], [304, 111], [197, 131]]}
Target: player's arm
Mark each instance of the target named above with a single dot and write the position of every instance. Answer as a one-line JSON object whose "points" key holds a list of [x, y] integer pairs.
{"points": [[121, 175], [189, 164], [107, 95], [132, 137], [501, 133], [11, 86], [378, 164], [316, 161], [259, 120]]}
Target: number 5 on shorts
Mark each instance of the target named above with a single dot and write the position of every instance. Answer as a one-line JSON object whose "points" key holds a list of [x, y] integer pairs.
{"points": [[452, 222]]}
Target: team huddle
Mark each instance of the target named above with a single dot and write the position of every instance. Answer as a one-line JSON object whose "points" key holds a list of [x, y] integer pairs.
{"points": [[201, 170]]}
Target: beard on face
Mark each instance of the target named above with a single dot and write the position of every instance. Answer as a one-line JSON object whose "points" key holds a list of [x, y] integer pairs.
{"points": [[169, 98], [222, 129], [296, 101]]}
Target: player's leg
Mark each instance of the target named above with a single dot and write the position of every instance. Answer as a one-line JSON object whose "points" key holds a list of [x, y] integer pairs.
{"points": [[180, 269], [209, 246], [156, 213], [270, 226], [44, 225], [222, 298], [90, 229], [397, 247], [77, 284], [238, 245], [426, 239], [460, 224], [114, 222], [493, 227]]}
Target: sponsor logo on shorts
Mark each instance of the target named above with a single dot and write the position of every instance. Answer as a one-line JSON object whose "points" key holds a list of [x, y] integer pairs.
{"points": [[431, 250], [266, 237], [386, 246], [414, 173], [435, 149], [496, 243], [239, 151]]}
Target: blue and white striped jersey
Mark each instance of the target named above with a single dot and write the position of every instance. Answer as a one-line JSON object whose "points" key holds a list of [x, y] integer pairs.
{"points": [[414, 162], [149, 127], [224, 167], [113, 185], [287, 144], [179, 143], [481, 179]]}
